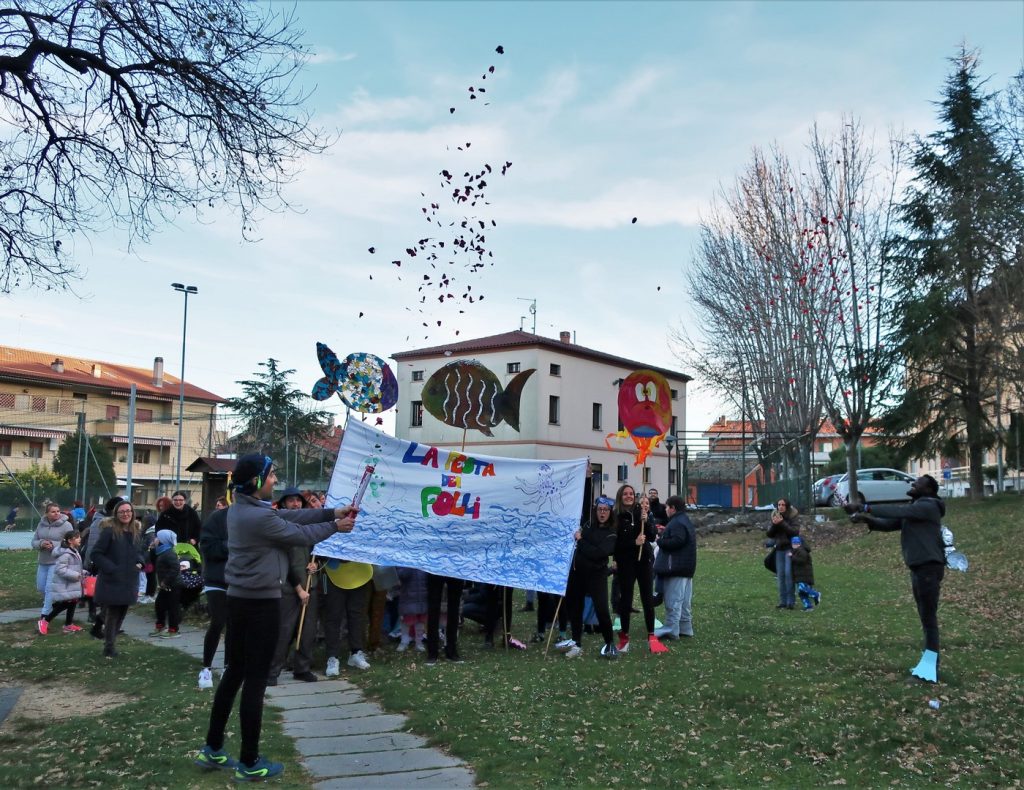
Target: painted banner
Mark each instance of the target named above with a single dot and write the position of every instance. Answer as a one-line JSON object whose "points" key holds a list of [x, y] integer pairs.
{"points": [[483, 518]]}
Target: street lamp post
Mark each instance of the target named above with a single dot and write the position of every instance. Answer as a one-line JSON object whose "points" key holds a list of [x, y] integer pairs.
{"points": [[670, 441], [185, 289]]}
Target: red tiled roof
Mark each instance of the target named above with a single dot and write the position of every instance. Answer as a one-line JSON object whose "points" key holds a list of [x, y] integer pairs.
{"points": [[522, 339], [330, 440], [725, 427], [19, 364]]}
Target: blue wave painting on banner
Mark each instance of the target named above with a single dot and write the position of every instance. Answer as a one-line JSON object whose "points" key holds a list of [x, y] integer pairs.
{"points": [[483, 518]]}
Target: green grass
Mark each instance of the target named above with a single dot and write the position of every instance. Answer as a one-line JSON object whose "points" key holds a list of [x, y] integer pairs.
{"points": [[147, 742], [18, 580], [759, 697]]}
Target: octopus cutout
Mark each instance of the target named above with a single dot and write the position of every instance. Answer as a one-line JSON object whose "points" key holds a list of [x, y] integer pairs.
{"points": [[645, 410]]}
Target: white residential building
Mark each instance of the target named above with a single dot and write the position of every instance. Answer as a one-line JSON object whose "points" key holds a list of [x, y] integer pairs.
{"points": [[568, 406]]}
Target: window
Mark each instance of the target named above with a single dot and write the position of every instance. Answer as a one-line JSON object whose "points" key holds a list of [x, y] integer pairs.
{"points": [[417, 413], [621, 427], [623, 473], [671, 478], [143, 415], [675, 394], [417, 375], [79, 396], [553, 409], [647, 476], [512, 367], [675, 425], [556, 370], [141, 455], [5, 447], [35, 449], [38, 403], [6, 400], [113, 412], [596, 418]]}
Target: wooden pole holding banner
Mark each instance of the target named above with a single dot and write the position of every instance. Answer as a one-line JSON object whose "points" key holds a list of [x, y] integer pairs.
{"points": [[305, 603], [554, 622]]}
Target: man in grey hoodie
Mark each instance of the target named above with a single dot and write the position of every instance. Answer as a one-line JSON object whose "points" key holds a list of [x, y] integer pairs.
{"points": [[259, 539]]}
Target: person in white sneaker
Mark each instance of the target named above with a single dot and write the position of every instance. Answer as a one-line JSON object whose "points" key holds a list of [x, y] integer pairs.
{"points": [[595, 541], [358, 660]]}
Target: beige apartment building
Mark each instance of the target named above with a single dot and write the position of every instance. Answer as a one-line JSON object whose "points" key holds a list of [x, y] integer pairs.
{"points": [[45, 396], [568, 405]]}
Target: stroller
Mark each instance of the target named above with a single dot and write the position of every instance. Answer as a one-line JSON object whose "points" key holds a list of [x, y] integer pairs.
{"points": [[191, 577]]}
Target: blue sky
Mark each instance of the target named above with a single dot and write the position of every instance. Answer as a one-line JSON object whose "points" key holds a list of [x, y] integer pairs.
{"points": [[608, 111]]}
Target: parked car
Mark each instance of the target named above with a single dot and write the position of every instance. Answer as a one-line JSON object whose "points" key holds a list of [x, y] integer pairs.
{"points": [[824, 489], [877, 485]]}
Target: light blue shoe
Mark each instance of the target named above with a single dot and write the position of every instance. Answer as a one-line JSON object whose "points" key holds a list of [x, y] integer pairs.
{"points": [[927, 668]]}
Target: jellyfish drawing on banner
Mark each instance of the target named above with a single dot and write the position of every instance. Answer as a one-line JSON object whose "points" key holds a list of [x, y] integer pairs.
{"points": [[465, 394], [645, 410], [545, 491], [364, 382]]}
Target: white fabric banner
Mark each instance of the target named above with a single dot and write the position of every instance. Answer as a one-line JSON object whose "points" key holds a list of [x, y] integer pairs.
{"points": [[482, 518]]}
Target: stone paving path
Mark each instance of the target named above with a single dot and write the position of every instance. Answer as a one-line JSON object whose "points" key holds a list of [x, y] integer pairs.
{"points": [[345, 741]]}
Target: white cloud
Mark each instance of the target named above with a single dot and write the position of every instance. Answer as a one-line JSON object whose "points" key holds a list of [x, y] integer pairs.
{"points": [[321, 54]]}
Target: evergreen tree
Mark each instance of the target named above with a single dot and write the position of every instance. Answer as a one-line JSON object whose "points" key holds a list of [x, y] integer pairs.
{"points": [[963, 218], [81, 455], [276, 418]]}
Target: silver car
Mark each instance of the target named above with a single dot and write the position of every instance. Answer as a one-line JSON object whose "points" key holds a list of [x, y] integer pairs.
{"points": [[877, 485]]}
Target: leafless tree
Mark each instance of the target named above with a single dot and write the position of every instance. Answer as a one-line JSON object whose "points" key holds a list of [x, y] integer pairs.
{"points": [[790, 285], [123, 113], [758, 338], [856, 202]]}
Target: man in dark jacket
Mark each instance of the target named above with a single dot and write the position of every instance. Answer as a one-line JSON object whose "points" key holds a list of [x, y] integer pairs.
{"points": [[258, 541], [675, 564], [213, 547], [658, 510], [920, 526]]}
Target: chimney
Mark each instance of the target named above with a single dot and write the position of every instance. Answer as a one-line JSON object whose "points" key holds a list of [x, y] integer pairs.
{"points": [[565, 337], [158, 371], [97, 370], [57, 365]]}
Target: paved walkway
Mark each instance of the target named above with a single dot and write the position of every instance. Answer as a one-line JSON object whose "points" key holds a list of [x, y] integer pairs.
{"points": [[345, 741]]}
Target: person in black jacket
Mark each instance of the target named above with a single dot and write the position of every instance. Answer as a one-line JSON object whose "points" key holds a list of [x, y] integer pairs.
{"points": [[168, 575], [634, 556], [181, 519], [920, 526], [588, 576], [118, 559], [675, 564], [213, 547]]}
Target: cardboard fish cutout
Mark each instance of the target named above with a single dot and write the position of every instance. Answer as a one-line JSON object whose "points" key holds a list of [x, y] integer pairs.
{"points": [[465, 394], [363, 381], [645, 409]]}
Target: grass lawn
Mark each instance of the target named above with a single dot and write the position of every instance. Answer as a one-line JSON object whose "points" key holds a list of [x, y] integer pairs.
{"points": [[758, 697]]}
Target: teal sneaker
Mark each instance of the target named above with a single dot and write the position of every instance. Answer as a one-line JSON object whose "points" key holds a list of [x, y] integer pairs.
{"points": [[257, 772], [215, 758]]}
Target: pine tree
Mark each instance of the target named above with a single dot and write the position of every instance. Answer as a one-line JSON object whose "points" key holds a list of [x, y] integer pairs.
{"points": [[963, 218], [276, 418]]}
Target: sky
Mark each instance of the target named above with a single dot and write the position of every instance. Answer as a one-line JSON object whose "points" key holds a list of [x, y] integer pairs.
{"points": [[607, 111]]}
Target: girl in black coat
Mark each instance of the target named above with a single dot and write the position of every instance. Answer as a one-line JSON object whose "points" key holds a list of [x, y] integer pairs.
{"points": [[118, 560], [588, 576], [634, 557]]}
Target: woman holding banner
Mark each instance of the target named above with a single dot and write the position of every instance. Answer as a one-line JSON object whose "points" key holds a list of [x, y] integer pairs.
{"points": [[635, 534]]}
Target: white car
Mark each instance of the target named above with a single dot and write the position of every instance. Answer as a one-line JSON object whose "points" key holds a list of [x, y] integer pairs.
{"points": [[877, 485]]}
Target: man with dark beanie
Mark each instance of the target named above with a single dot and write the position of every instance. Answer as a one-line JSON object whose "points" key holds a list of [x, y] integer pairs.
{"points": [[920, 526], [259, 539]]}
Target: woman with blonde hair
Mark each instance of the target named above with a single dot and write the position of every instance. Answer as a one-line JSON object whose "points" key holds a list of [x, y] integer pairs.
{"points": [[118, 559]]}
